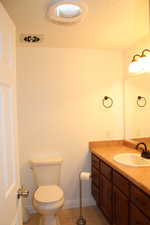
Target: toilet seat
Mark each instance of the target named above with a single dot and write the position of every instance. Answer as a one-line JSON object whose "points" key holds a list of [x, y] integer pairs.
{"points": [[48, 194]]}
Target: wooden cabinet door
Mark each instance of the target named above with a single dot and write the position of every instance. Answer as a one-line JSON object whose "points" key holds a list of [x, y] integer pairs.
{"points": [[137, 217], [141, 200], [95, 193], [106, 197], [120, 208]]}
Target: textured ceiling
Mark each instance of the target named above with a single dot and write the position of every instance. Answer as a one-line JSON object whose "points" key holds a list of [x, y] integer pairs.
{"points": [[109, 23]]}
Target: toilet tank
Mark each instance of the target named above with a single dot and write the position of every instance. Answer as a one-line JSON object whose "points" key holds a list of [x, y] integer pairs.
{"points": [[46, 171]]}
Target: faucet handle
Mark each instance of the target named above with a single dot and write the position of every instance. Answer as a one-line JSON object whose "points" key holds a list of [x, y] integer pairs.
{"points": [[144, 146]]}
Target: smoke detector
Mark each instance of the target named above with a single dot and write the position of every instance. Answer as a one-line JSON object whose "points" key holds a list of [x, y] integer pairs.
{"points": [[67, 11]]}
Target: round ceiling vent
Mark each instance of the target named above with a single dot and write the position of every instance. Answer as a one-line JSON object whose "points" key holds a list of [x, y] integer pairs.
{"points": [[63, 11]]}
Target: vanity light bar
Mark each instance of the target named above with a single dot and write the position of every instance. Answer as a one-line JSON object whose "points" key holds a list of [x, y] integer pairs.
{"points": [[143, 52], [140, 63]]}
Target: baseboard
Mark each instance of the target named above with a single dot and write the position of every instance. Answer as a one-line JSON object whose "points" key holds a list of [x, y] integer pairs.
{"points": [[68, 204]]}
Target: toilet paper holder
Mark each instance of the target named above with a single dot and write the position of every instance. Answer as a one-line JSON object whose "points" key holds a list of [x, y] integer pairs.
{"points": [[82, 176]]}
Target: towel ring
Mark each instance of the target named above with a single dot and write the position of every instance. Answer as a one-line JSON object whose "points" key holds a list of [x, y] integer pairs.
{"points": [[139, 98], [106, 105]]}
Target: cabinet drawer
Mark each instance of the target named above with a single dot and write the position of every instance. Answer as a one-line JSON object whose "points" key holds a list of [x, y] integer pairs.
{"points": [[95, 176], [141, 200], [95, 161], [137, 218], [106, 170], [121, 183]]}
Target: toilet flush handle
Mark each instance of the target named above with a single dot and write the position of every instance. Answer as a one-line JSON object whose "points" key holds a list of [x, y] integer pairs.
{"points": [[22, 192]]}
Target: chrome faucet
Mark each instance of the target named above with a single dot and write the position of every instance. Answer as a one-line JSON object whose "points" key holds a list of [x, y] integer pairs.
{"points": [[145, 153]]}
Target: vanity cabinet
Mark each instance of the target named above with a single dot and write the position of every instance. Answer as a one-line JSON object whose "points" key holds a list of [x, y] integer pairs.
{"points": [[121, 201]]}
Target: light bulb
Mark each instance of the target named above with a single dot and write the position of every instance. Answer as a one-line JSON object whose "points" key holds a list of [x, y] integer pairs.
{"points": [[68, 10], [145, 62], [135, 67]]}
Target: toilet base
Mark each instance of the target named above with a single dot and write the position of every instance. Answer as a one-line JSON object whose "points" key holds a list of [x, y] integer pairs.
{"points": [[49, 220]]}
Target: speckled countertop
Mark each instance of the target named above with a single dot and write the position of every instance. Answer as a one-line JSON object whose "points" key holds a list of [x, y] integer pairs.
{"points": [[107, 150]]}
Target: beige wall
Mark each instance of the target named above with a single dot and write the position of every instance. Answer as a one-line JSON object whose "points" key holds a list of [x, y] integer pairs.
{"points": [[136, 118], [60, 95]]}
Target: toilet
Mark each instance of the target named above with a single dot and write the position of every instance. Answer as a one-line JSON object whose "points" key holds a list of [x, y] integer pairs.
{"points": [[48, 198]]}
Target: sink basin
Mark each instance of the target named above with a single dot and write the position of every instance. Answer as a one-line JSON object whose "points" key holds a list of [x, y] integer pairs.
{"points": [[132, 159]]}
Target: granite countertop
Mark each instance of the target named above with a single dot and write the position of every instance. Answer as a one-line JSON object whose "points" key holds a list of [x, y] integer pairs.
{"points": [[107, 150]]}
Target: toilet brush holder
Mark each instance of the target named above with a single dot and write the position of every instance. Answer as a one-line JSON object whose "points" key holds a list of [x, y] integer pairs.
{"points": [[82, 176]]}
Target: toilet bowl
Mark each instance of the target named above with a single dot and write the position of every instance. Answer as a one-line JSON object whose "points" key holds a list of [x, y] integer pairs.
{"points": [[48, 200]]}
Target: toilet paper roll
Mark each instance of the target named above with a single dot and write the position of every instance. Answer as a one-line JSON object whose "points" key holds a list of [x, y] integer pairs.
{"points": [[85, 176]]}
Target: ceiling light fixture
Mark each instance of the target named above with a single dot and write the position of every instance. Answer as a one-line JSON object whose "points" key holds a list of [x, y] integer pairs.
{"points": [[67, 11]]}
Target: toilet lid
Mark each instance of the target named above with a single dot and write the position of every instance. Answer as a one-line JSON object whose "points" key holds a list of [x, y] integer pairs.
{"points": [[48, 194]]}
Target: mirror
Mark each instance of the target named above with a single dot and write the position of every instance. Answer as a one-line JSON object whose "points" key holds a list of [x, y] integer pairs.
{"points": [[137, 101], [137, 94], [137, 108]]}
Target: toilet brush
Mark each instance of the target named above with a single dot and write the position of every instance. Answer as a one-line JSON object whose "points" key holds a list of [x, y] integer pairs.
{"points": [[84, 176]]}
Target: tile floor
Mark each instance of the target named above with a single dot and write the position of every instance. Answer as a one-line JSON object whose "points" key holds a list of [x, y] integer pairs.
{"points": [[70, 216]]}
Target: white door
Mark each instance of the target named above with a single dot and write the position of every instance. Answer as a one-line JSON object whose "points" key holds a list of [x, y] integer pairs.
{"points": [[10, 206]]}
